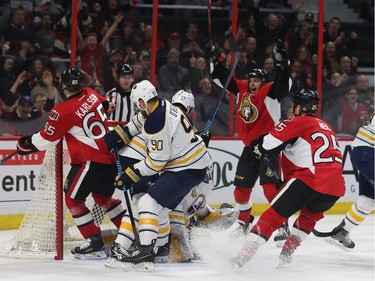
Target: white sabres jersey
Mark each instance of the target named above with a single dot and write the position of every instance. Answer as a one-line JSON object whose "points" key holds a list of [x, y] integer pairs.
{"points": [[170, 142], [365, 136], [136, 149]]}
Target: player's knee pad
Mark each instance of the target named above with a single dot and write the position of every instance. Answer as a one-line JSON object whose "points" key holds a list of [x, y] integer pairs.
{"points": [[365, 204]]}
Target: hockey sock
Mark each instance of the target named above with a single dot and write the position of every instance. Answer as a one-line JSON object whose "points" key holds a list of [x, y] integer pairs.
{"points": [[358, 212], [269, 190], [82, 217], [243, 203], [306, 221], [268, 222], [113, 207]]}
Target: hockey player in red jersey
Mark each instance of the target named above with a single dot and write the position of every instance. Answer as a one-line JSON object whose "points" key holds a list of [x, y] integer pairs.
{"points": [[257, 112], [81, 120], [312, 166]]}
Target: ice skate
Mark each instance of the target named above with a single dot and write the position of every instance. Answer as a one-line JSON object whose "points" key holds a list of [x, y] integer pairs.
{"points": [[162, 254], [239, 228], [92, 249], [142, 259], [290, 245], [282, 234], [247, 252], [116, 256], [341, 239]]}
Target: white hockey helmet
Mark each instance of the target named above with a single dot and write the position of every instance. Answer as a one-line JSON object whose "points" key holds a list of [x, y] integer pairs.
{"points": [[185, 99], [143, 90]]}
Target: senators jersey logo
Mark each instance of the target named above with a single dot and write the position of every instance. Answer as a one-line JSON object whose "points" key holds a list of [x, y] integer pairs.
{"points": [[247, 111]]}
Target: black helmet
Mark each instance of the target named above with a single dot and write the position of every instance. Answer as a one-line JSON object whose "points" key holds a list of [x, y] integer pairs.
{"points": [[71, 79], [259, 73], [124, 69], [307, 99]]}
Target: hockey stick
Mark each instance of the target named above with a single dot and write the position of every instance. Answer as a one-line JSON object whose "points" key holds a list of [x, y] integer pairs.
{"points": [[126, 195], [211, 65], [6, 158], [326, 234], [232, 42]]}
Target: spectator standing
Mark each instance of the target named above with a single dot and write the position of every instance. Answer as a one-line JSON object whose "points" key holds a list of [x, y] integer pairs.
{"points": [[354, 114], [197, 71], [344, 45], [244, 65], [110, 67], [19, 35], [92, 52], [172, 76], [365, 92], [46, 86], [205, 103], [173, 42]]}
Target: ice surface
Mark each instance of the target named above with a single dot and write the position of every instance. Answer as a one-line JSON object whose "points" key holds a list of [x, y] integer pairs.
{"points": [[314, 260]]}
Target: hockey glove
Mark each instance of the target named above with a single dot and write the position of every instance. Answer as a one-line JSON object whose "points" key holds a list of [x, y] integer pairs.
{"points": [[118, 138], [206, 137], [280, 55], [214, 55], [128, 178], [254, 149], [25, 146]]}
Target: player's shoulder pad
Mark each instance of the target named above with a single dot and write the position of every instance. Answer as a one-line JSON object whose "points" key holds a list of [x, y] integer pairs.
{"points": [[155, 122]]}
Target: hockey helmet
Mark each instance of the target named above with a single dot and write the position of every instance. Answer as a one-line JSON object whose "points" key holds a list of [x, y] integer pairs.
{"points": [[143, 90], [124, 69], [307, 99], [71, 79], [260, 73], [185, 99]]}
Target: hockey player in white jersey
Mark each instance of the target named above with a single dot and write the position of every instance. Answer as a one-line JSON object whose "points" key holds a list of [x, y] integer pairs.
{"points": [[363, 160], [174, 151], [194, 203]]}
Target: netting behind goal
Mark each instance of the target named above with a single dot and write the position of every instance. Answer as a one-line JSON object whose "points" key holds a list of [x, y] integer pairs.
{"points": [[37, 235]]}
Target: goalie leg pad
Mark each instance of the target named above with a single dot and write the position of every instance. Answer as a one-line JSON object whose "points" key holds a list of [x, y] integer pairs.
{"points": [[180, 247], [221, 218]]}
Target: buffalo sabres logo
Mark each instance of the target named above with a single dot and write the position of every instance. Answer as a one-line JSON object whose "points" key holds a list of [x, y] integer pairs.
{"points": [[248, 112]]}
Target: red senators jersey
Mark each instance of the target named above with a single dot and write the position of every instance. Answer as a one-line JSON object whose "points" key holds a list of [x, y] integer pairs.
{"points": [[256, 114], [83, 123], [310, 153]]}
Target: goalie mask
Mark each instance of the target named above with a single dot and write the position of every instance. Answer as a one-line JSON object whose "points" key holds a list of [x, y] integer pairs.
{"points": [[71, 79], [185, 99], [307, 99], [144, 91]]}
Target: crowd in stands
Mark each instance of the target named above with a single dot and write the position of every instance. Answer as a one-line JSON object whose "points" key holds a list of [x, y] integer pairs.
{"points": [[35, 49]]}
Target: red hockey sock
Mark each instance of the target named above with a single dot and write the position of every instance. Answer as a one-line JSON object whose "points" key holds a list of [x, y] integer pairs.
{"points": [[242, 197], [268, 222], [270, 191]]}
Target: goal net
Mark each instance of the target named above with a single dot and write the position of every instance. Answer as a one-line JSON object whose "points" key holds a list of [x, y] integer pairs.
{"points": [[37, 235]]}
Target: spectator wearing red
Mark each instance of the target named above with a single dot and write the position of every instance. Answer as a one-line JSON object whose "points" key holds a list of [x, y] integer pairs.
{"points": [[354, 114], [92, 52]]}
